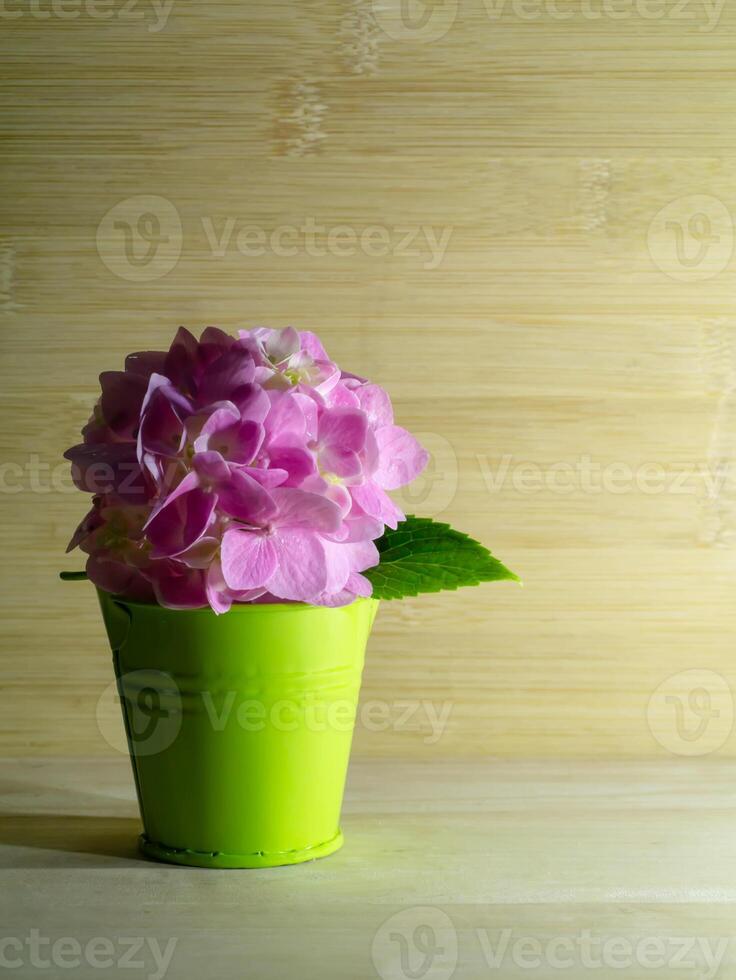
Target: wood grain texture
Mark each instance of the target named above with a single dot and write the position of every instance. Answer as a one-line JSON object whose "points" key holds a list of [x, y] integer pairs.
{"points": [[523, 227], [625, 853]]}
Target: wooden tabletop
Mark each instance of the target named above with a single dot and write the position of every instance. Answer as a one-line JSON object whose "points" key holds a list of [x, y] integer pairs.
{"points": [[465, 869]]}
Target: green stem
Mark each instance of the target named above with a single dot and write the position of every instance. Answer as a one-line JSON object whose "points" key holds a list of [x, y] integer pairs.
{"points": [[73, 576]]}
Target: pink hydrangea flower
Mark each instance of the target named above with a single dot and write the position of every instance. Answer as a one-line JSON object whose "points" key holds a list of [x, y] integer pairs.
{"points": [[239, 469]]}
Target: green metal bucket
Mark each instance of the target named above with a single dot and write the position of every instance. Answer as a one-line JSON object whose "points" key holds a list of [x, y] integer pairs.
{"points": [[239, 726]]}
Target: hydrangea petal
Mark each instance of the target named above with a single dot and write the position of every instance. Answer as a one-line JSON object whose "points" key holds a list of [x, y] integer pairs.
{"points": [[146, 362], [401, 458], [244, 498], [375, 502], [121, 400], [109, 468], [161, 429], [311, 343], [251, 401], [248, 559], [89, 523], [297, 463], [343, 428], [178, 587], [181, 365], [235, 440], [268, 478], [342, 463], [179, 525], [119, 579], [301, 568], [338, 566], [201, 554], [210, 467], [232, 369], [286, 420], [376, 404], [278, 345], [301, 509]]}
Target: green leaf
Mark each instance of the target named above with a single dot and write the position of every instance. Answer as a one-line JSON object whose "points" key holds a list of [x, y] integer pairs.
{"points": [[72, 576], [423, 555]]}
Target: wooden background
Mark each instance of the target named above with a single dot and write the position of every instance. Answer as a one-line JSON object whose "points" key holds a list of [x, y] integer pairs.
{"points": [[580, 170]]}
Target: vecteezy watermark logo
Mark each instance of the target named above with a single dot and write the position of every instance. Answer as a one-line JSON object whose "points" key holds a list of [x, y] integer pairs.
{"points": [[426, 242], [430, 20], [65, 953], [140, 238], [419, 943], [153, 705], [154, 13], [692, 238], [705, 13], [586, 950], [691, 713], [416, 944], [152, 708], [415, 20], [586, 475], [435, 489]]}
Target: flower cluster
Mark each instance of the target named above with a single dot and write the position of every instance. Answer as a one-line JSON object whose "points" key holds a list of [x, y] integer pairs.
{"points": [[236, 470]]}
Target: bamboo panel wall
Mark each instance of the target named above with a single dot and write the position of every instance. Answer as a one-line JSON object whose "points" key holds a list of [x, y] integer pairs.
{"points": [[517, 216]]}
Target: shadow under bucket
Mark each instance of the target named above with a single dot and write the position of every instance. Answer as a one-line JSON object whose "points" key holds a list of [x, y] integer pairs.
{"points": [[239, 726]]}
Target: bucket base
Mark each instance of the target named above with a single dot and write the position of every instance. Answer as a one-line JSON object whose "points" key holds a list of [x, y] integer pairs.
{"points": [[219, 859]]}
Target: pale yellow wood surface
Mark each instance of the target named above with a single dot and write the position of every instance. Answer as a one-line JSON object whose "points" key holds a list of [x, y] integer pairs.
{"points": [[547, 331], [625, 853]]}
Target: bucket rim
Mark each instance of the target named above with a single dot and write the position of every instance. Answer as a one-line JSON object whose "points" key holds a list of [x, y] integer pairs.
{"points": [[239, 607]]}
